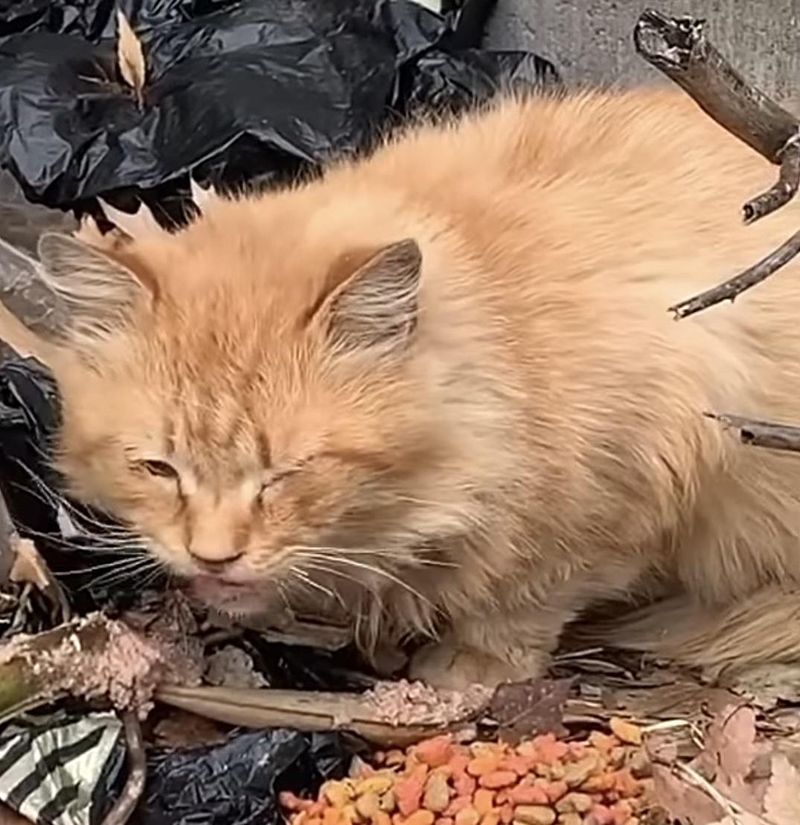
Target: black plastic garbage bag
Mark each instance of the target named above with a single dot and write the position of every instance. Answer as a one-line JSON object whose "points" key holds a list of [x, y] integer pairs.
{"points": [[236, 90], [238, 782]]}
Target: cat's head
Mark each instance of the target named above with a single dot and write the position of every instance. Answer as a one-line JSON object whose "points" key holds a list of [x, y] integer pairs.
{"points": [[257, 415]]}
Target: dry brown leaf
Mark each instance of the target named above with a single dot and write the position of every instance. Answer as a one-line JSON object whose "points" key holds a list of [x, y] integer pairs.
{"points": [[782, 800], [684, 802], [130, 56], [30, 568], [729, 753]]}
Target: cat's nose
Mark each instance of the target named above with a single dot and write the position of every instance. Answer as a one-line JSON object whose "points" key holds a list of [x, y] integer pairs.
{"points": [[214, 559]]}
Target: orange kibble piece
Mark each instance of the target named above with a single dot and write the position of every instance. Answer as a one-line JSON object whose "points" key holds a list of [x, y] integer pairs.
{"points": [[514, 762], [600, 783], [507, 814], [549, 749], [491, 818], [626, 731], [468, 816], [381, 818], [445, 820], [332, 816], [577, 750], [458, 804], [625, 784], [483, 800], [600, 815], [314, 820], [555, 790], [528, 795], [408, 790], [497, 779], [464, 784], [603, 742], [458, 762], [481, 765], [421, 817], [621, 813], [435, 752]]}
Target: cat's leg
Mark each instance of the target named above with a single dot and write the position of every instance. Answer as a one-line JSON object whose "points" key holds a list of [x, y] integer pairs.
{"points": [[491, 650], [498, 643]]}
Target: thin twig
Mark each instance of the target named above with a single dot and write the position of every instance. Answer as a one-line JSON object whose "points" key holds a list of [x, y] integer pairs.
{"points": [[729, 290], [732, 809], [124, 807], [762, 433], [680, 49]]}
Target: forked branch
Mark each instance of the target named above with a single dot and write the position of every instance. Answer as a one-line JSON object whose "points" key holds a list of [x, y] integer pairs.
{"points": [[680, 49]]}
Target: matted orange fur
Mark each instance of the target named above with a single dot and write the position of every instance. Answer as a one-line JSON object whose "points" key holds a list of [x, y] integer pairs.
{"points": [[441, 385]]}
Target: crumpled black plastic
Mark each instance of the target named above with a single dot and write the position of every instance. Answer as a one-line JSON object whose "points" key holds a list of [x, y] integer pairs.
{"points": [[238, 782], [238, 90]]}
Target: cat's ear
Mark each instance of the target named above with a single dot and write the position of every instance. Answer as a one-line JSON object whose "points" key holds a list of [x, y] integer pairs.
{"points": [[377, 305], [98, 291]]}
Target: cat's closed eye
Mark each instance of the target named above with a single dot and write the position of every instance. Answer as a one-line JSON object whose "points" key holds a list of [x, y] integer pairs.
{"points": [[157, 467]]}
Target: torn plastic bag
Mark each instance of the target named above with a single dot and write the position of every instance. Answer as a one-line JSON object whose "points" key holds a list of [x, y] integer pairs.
{"points": [[236, 90], [237, 783], [62, 769]]}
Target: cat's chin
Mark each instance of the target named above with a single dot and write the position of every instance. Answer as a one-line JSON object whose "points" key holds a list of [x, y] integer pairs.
{"points": [[224, 597]]}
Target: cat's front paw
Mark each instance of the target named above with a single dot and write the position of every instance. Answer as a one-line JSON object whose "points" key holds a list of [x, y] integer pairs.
{"points": [[449, 666]]}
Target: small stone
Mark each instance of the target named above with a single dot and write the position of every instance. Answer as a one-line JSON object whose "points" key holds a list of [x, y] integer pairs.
{"points": [[534, 815]]}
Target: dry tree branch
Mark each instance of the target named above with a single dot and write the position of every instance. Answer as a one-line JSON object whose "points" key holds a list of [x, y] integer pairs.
{"points": [[680, 49], [762, 433]]}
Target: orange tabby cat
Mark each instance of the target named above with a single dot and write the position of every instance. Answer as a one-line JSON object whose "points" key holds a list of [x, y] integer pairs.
{"points": [[441, 386]]}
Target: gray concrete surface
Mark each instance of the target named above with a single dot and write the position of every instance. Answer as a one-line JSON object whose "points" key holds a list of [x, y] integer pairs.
{"points": [[590, 40]]}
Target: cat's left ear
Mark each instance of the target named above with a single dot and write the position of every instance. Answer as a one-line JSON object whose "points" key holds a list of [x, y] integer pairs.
{"points": [[98, 290], [377, 306]]}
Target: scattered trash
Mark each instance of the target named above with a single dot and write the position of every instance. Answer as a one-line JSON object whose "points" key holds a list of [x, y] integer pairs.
{"points": [[231, 91]]}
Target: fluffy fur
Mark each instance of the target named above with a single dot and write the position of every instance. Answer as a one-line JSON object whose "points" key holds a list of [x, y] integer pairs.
{"points": [[441, 386]]}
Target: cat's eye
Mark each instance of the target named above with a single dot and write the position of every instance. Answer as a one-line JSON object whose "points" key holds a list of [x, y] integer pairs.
{"points": [[156, 467]]}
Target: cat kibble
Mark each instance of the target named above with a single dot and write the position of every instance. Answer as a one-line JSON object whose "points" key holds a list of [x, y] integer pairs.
{"points": [[541, 781]]}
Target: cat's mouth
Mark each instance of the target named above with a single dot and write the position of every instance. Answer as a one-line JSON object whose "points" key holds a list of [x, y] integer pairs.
{"points": [[227, 596]]}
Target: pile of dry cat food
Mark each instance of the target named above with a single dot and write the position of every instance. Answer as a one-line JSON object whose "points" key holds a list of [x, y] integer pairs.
{"points": [[603, 780]]}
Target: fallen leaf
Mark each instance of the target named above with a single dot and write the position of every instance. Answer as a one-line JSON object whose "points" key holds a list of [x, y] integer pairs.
{"points": [[684, 802], [729, 752], [782, 800], [130, 56], [529, 708], [30, 568]]}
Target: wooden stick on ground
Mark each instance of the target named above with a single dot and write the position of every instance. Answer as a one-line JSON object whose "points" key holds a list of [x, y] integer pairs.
{"points": [[680, 48]]}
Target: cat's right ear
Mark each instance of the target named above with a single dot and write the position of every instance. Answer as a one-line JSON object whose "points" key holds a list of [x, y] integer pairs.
{"points": [[98, 291]]}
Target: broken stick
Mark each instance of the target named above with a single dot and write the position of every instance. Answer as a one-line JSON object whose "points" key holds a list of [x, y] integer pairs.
{"points": [[680, 49]]}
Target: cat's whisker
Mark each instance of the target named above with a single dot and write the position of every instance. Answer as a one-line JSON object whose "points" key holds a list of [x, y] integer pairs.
{"points": [[117, 564], [311, 582], [342, 559], [380, 552]]}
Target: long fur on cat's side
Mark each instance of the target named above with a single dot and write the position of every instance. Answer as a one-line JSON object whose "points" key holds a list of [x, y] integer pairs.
{"points": [[441, 383]]}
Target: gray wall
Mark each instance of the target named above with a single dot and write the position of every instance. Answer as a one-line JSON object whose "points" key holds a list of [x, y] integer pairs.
{"points": [[590, 40]]}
